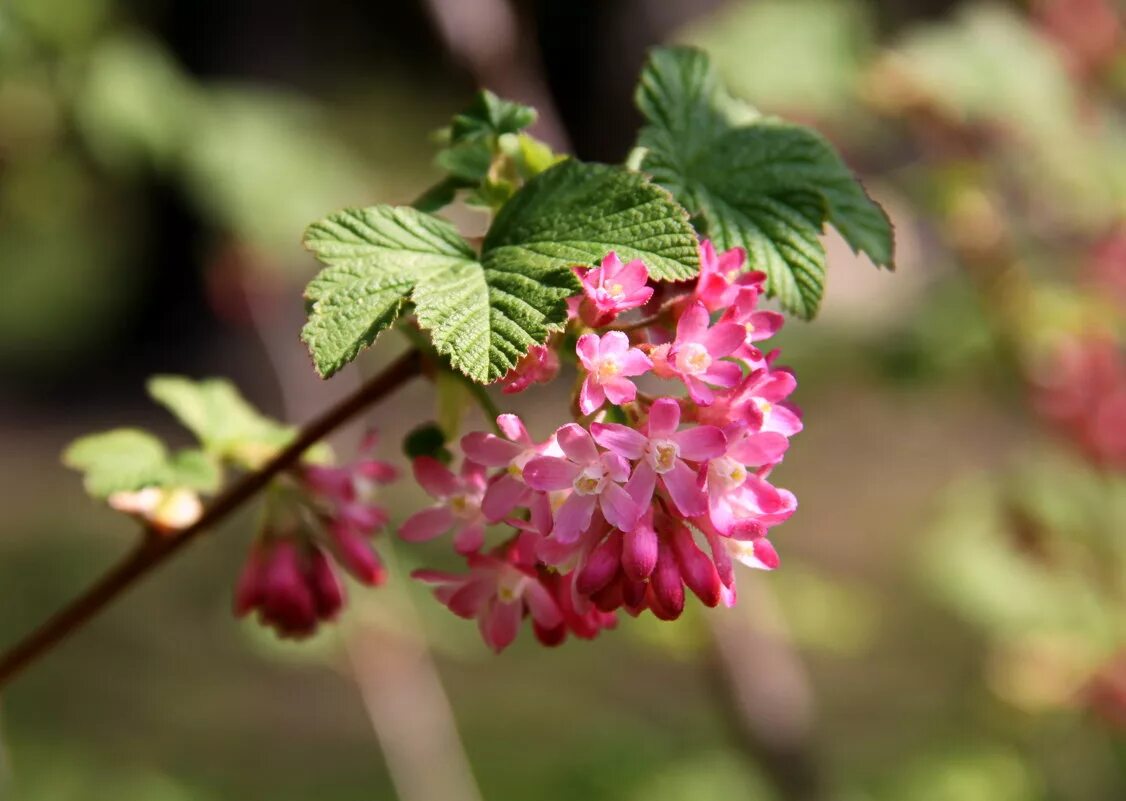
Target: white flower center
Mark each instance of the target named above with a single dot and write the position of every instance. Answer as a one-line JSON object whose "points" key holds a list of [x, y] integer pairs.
{"points": [[517, 465], [607, 368], [464, 505], [510, 585], [591, 480], [726, 472], [615, 290], [693, 358], [765, 407], [663, 454]]}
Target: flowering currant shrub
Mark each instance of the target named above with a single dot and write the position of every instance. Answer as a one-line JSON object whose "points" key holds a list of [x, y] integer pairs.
{"points": [[648, 285]]}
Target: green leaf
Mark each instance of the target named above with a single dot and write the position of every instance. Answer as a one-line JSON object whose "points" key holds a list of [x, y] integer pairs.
{"points": [[195, 469], [374, 257], [753, 182], [125, 459], [225, 424], [489, 115], [485, 312]]}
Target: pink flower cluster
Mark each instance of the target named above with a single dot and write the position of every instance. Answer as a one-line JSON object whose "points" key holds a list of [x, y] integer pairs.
{"points": [[648, 495], [325, 519]]}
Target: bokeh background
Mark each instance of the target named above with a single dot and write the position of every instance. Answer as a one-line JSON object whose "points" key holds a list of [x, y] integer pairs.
{"points": [[949, 621]]}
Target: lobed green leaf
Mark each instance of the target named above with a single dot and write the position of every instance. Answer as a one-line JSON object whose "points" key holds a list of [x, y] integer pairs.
{"points": [[751, 181], [485, 312]]}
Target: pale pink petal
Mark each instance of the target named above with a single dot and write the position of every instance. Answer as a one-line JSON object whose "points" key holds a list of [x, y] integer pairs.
{"points": [[489, 449], [619, 391], [614, 343], [470, 538], [611, 265], [619, 507], [685, 490], [635, 363], [620, 439], [427, 524], [576, 444], [616, 466], [501, 624], [700, 392], [502, 496], [573, 517], [588, 349], [434, 477], [642, 484], [469, 599], [723, 338], [723, 374], [664, 417], [591, 396], [700, 443], [764, 324], [757, 449], [693, 324], [513, 428], [546, 473], [633, 275], [542, 605]]}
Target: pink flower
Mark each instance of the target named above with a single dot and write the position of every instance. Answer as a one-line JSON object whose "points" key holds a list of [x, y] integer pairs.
{"points": [[758, 402], [722, 277], [747, 509], [497, 591], [507, 490], [662, 455], [538, 366], [594, 480], [609, 361], [758, 324], [695, 355], [612, 289], [459, 504]]}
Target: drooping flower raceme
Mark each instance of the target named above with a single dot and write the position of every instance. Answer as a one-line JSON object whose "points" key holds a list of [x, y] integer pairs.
{"points": [[326, 518]]}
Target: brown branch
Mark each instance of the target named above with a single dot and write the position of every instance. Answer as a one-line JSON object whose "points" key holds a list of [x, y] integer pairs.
{"points": [[156, 548]]}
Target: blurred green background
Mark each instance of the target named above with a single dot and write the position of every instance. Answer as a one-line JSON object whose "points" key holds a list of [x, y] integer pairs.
{"points": [[949, 621]]}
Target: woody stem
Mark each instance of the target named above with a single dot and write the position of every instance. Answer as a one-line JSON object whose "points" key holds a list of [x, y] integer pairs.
{"points": [[154, 549]]}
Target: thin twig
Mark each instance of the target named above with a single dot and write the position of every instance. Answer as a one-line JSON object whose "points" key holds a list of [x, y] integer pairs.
{"points": [[156, 548]]}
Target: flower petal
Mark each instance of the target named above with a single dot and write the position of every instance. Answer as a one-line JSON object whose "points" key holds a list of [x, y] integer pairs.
{"points": [[427, 524], [723, 338], [684, 489], [489, 449], [618, 438], [700, 443], [592, 395], [503, 495], [619, 507], [576, 444], [547, 473], [693, 324], [573, 517], [664, 417], [434, 477], [619, 391], [588, 349]]}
